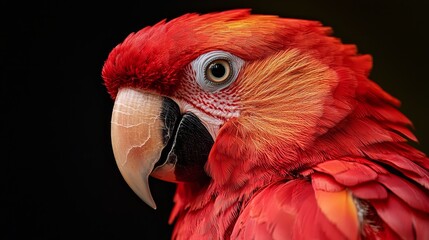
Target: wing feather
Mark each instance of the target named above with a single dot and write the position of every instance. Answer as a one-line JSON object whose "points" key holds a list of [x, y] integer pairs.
{"points": [[382, 196], [340, 209], [347, 173], [371, 190], [408, 192], [286, 210], [401, 204], [396, 215]]}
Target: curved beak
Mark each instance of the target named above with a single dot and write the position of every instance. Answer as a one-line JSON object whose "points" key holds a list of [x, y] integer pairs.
{"points": [[150, 137]]}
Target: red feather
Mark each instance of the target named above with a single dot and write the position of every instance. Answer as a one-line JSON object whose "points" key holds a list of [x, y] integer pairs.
{"points": [[371, 190], [325, 182], [285, 211], [397, 216], [347, 173], [413, 195], [420, 225]]}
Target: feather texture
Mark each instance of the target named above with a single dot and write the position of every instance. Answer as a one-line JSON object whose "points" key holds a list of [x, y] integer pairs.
{"points": [[339, 205], [313, 149]]}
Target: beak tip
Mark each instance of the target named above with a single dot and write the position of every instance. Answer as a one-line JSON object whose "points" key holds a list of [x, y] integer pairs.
{"points": [[143, 191], [151, 204]]}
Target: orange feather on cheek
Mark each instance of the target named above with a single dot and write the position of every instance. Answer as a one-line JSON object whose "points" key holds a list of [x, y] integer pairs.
{"points": [[282, 99]]}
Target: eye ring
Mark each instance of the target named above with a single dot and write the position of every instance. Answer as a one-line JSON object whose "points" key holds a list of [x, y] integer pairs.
{"points": [[218, 71]]}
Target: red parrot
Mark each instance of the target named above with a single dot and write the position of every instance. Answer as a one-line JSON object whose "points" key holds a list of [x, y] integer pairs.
{"points": [[269, 126]]}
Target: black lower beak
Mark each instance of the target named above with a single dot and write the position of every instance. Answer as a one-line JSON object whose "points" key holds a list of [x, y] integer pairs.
{"points": [[188, 144]]}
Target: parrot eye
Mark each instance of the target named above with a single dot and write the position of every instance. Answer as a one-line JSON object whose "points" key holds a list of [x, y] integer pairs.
{"points": [[216, 70]]}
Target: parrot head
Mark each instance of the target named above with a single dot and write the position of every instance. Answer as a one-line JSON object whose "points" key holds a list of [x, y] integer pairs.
{"points": [[236, 100]]}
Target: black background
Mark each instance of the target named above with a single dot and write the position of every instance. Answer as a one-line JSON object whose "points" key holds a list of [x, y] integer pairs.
{"points": [[59, 179]]}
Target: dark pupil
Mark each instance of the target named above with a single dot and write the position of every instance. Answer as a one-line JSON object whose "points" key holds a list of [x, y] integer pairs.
{"points": [[217, 69]]}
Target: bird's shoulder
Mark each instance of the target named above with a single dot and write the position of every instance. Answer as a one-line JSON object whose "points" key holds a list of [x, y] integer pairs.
{"points": [[350, 198]]}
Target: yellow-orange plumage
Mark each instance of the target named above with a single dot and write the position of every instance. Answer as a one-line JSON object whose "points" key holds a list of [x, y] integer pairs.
{"points": [[341, 210]]}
